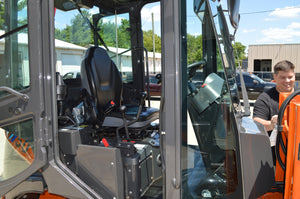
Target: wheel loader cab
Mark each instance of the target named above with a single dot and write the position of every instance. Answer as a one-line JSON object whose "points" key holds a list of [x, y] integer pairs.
{"points": [[93, 136]]}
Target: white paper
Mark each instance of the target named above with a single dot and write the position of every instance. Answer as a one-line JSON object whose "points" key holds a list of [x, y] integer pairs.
{"points": [[273, 136]]}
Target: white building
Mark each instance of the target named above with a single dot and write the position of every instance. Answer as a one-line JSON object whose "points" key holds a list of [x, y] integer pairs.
{"points": [[69, 57]]}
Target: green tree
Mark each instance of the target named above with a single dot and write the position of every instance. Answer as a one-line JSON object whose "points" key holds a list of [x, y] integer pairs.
{"points": [[239, 52], [1, 15], [194, 48], [22, 4], [148, 41], [124, 34], [108, 33], [78, 32]]}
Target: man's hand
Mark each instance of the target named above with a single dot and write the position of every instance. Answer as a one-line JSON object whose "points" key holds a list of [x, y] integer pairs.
{"points": [[268, 124], [274, 121]]}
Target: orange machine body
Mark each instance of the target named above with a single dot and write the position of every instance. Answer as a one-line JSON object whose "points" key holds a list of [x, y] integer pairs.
{"points": [[290, 177]]}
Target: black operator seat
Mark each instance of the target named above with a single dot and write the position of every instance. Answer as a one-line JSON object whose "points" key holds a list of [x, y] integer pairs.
{"points": [[102, 81]]}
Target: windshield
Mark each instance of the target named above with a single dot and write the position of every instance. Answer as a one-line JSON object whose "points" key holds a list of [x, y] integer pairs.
{"points": [[257, 78], [74, 35]]}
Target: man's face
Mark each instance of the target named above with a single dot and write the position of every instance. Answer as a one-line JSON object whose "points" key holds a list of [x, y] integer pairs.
{"points": [[285, 81]]}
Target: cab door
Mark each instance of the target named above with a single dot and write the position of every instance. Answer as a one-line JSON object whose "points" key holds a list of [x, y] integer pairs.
{"points": [[24, 88], [199, 126]]}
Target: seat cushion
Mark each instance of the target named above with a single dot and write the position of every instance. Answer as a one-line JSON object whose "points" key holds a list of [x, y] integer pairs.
{"points": [[148, 115]]}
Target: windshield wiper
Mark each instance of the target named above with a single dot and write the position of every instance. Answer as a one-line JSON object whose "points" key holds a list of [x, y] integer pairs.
{"points": [[93, 28], [13, 31]]}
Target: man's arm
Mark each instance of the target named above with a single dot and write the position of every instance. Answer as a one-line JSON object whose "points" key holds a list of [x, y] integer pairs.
{"points": [[261, 112], [268, 124]]}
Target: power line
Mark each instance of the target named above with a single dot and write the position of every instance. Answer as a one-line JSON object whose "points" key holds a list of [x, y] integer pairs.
{"points": [[264, 11], [258, 12]]}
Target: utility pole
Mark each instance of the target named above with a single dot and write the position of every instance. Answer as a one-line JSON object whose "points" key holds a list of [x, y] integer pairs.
{"points": [[117, 44], [153, 36]]}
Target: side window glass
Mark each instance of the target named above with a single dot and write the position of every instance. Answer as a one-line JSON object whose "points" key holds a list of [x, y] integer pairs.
{"points": [[248, 80], [16, 140], [209, 153], [16, 149], [152, 36], [14, 62], [72, 38]]}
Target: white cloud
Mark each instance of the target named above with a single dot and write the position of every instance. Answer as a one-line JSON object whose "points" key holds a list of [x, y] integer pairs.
{"points": [[94, 10], [281, 35], [294, 25], [270, 19], [147, 13], [287, 12], [248, 30]]}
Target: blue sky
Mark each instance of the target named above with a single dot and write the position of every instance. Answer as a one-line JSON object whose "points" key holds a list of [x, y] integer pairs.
{"points": [[269, 22], [262, 21]]}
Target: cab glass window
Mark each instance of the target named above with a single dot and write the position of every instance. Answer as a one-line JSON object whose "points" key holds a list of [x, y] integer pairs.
{"points": [[226, 51], [74, 35], [14, 63], [115, 31], [72, 38], [16, 149], [209, 147]]}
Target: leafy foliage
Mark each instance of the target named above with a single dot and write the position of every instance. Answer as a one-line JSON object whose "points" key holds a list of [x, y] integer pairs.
{"points": [[78, 33], [148, 41], [239, 52], [1, 15], [22, 4], [194, 48]]}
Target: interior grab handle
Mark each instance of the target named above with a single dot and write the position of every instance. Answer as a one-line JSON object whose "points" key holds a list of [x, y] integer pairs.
{"points": [[22, 96]]}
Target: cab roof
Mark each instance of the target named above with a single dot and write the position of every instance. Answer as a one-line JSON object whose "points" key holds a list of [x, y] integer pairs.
{"points": [[106, 7]]}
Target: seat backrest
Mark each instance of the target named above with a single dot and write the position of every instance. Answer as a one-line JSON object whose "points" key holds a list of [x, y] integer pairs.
{"points": [[101, 78]]}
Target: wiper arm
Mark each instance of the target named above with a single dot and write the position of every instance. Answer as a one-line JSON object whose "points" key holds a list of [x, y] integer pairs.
{"points": [[13, 31], [93, 28], [22, 96]]}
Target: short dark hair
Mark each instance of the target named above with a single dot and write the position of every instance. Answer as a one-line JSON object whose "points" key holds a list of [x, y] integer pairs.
{"points": [[284, 65]]}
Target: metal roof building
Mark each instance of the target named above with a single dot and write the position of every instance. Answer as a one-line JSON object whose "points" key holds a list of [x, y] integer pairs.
{"points": [[264, 57]]}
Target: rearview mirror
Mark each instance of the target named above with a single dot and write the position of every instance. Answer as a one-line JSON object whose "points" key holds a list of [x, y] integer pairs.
{"points": [[199, 9], [255, 82], [234, 15]]}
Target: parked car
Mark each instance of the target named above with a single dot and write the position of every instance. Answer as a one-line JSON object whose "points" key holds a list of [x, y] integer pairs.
{"points": [[266, 76], [254, 85], [72, 75], [155, 84]]}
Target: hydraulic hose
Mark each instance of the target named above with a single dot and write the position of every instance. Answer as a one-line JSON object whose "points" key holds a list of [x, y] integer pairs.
{"points": [[279, 139]]}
